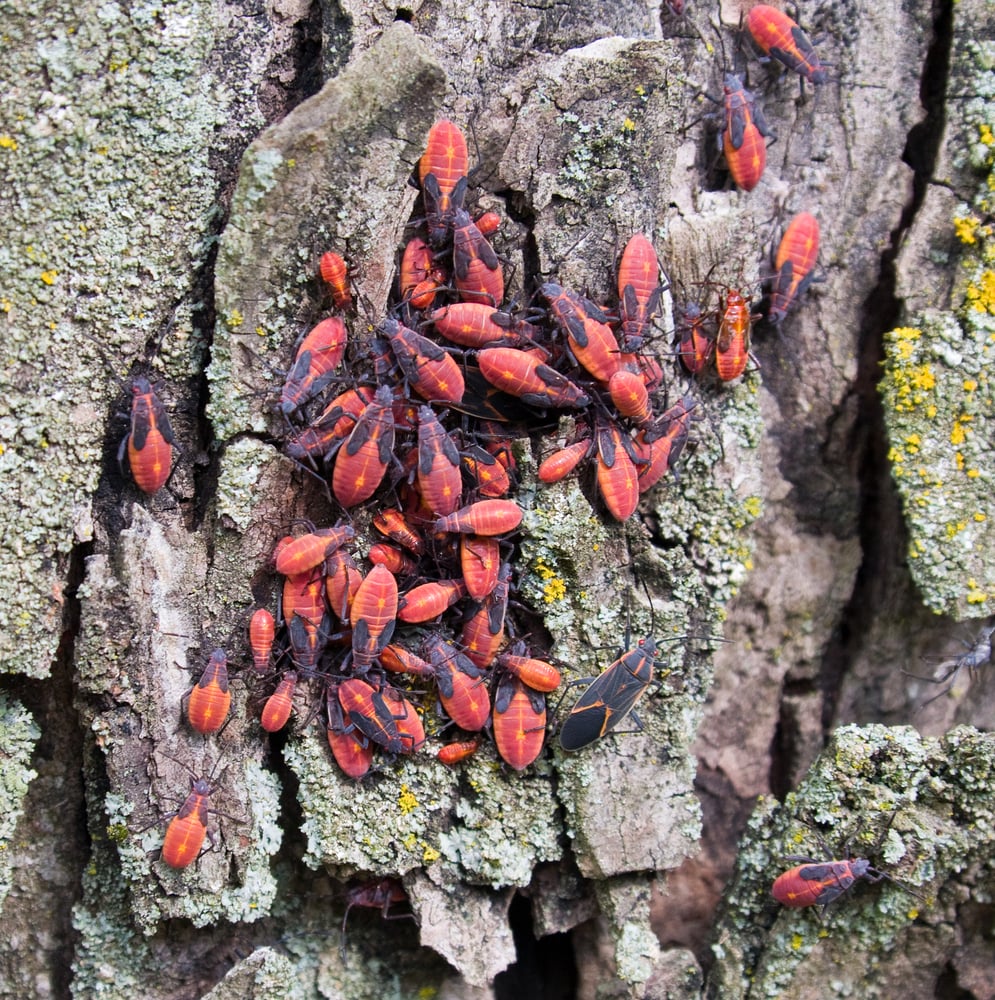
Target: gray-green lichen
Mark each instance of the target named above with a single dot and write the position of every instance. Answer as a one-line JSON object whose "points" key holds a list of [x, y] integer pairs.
{"points": [[937, 387], [108, 197], [921, 810], [332, 174], [18, 736]]}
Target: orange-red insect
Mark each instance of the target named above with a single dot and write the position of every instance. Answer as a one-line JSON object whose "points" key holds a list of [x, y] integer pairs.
{"points": [[210, 699], [743, 136], [429, 600], [361, 462], [477, 270], [639, 291], [599, 355], [489, 476], [342, 580], [526, 376], [819, 883], [187, 829], [384, 716], [395, 559], [519, 722], [453, 753], [352, 751], [561, 463], [320, 438], [335, 274], [795, 259], [485, 517], [419, 275], [399, 660], [629, 394], [262, 632], [392, 523], [440, 480], [480, 560], [318, 355], [462, 690], [732, 344], [696, 345], [778, 36], [617, 477], [303, 596], [472, 324], [442, 171], [380, 895], [483, 631], [307, 551], [149, 443], [429, 370], [373, 615], [279, 704], [537, 674], [570, 310]]}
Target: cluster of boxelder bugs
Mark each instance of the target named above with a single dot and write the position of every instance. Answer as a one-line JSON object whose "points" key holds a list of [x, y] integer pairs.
{"points": [[422, 417]]}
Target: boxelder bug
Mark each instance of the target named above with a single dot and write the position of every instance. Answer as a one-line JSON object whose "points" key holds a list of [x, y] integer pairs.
{"points": [[380, 895], [819, 883], [149, 443], [519, 722], [442, 171], [743, 135], [795, 259], [610, 697], [335, 274], [262, 632], [188, 828], [639, 291], [779, 37], [210, 699], [361, 462]]}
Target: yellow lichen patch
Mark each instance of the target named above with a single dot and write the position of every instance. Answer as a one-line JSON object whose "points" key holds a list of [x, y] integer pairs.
{"points": [[980, 295], [49, 277], [969, 385], [985, 134], [554, 590], [406, 801], [235, 319], [966, 228], [8, 142]]}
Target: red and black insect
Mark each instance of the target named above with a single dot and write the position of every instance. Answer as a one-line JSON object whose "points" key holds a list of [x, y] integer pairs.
{"points": [[373, 615], [617, 476], [187, 829], [819, 883], [519, 722], [454, 753], [318, 355], [485, 517], [527, 376], [382, 715], [793, 264], [379, 895], [440, 479], [697, 344], [477, 270], [462, 688], [429, 370], [639, 291], [743, 135], [610, 697], [732, 343], [562, 462], [305, 552], [352, 751], [321, 437], [473, 324], [442, 171], [361, 463], [149, 443], [779, 37], [209, 699], [429, 600]]}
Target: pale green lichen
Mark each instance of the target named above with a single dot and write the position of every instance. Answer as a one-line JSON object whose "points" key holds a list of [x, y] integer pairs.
{"points": [[883, 793], [103, 200], [19, 735]]}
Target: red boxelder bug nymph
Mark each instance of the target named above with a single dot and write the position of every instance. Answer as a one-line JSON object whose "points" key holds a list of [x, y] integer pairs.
{"points": [[262, 632], [610, 697], [361, 462], [795, 259], [149, 443], [442, 171], [779, 37], [743, 135], [209, 699], [819, 883], [639, 291], [373, 615], [519, 722], [188, 828], [335, 274]]}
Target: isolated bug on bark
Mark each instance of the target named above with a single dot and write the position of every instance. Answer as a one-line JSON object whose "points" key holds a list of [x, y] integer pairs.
{"points": [[149, 443]]}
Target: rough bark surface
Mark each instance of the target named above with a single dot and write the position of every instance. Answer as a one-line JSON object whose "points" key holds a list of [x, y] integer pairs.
{"points": [[171, 175]]}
